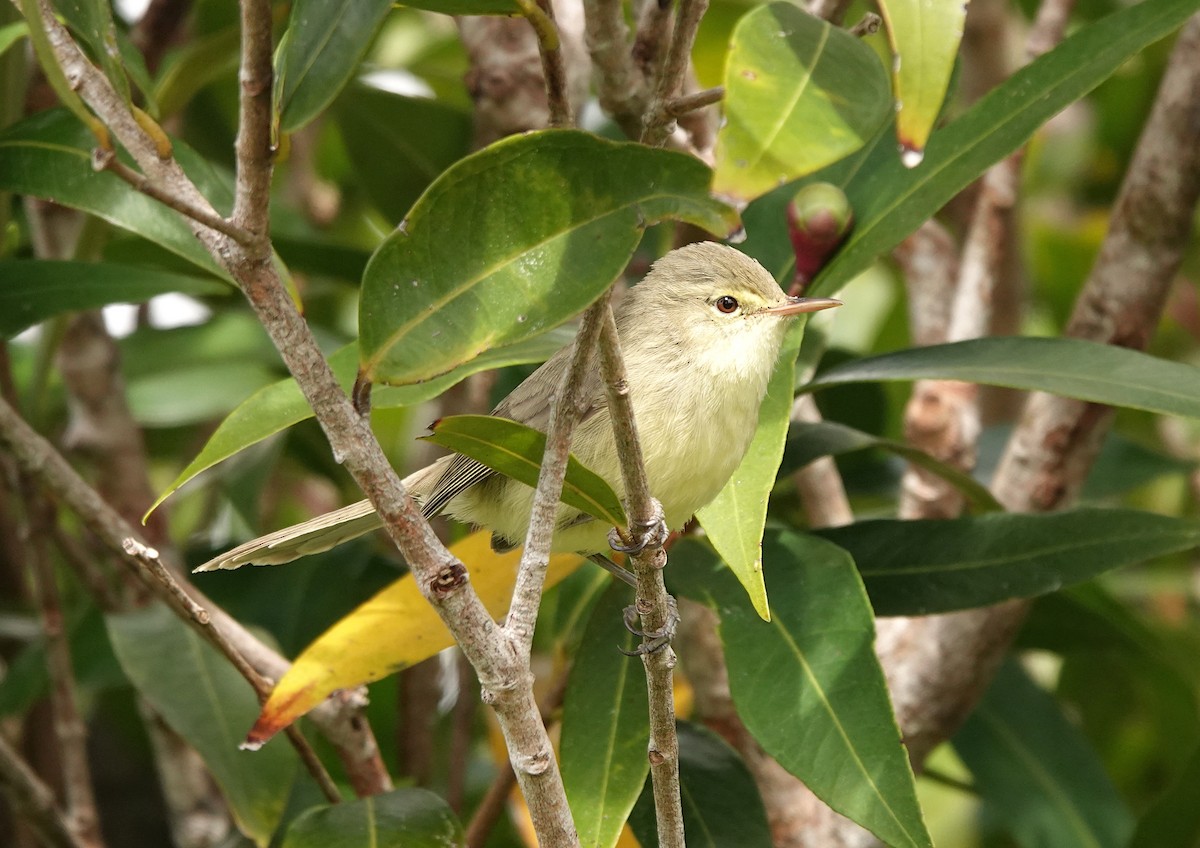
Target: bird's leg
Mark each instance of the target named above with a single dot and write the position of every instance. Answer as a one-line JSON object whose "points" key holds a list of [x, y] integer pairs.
{"points": [[649, 533], [656, 640], [622, 574]]}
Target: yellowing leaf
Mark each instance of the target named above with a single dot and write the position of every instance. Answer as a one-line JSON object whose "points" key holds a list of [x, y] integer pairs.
{"points": [[392, 631]]}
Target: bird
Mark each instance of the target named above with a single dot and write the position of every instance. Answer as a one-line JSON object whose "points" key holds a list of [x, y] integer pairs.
{"points": [[700, 336]]}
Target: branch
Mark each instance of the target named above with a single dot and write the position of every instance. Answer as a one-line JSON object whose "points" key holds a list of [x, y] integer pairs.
{"points": [[654, 605], [681, 106], [833, 11], [33, 800], [106, 160], [255, 153], [564, 415], [619, 87], [540, 14], [658, 123]]}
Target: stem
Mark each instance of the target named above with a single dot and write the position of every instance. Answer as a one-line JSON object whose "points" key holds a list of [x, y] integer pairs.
{"points": [[33, 800], [681, 106], [540, 14], [653, 603], [659, 123]]}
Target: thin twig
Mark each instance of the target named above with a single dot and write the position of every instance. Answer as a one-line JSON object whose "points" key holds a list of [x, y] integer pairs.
{"points": [[671, 74], [869, 25], [33, 800], [540, 14], [255, 156], [106, 160], [681, 106], [619, 87], [833, 11], [653, 603], [564, 414]]}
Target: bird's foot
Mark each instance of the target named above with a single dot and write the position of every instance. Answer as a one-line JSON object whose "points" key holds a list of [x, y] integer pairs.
{"points": [[642, 534], [654, 640]]}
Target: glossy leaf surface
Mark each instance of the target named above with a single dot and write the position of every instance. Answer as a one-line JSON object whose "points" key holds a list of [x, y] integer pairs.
{"points": [[414, 818], [799, 95], [921, 567], [324, 43], [605, 725], [204, 699], [33, 290], [924, 35], [807, 684], [890, 201], [542, 223], [1069, 367]]}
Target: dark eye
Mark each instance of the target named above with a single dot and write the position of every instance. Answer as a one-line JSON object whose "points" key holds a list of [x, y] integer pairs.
{"points": [[727, 304]]}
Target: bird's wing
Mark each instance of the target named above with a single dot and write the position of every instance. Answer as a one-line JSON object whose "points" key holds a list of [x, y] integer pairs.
{"points": [[528, 404]]}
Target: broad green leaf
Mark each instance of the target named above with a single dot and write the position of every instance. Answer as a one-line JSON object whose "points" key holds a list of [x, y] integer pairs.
{"points": [[468, 7], [890, 201], [1037, 771], [921, 567], [32, 290], [807, 684], [393, 163], [203, 699], [734, 521], [48, 155], [280, 405], [10, 34], [322, 46], [924, 35], [605, 725], [721, 804], [799, 94], [1173, 821], [1069, 367], [809, 441], [414, 818], [516, 239], [515, 450]]}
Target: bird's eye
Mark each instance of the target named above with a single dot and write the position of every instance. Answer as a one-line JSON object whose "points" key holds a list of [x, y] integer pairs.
{"points": [[727, 304]]}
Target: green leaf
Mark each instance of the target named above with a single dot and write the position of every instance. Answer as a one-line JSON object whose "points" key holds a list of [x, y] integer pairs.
{"points": [[91, 22], [809, 441], [815, 664], [280, 405], [721, 804], [735, 519], [196, 64], [189, 394], [1069, 367], [203, 699], [799, 94], [33, 290], [1037, 771], [11, 34], [48, 155], [468, 7], [394, 164], [322, 46], [414, 818], [1173, 820], [515, 451], [921, 567], [890, 201], [516, 239], [605, 725], [924, 35]]}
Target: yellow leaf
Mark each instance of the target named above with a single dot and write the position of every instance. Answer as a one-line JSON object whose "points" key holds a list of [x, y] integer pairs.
{"points": [[392, 631]]}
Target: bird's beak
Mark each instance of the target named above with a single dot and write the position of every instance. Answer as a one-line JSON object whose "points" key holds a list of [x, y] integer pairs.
{"points": [[801, 305]]}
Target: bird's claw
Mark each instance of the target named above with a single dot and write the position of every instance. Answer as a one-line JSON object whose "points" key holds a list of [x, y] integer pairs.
{"points": [[654, 640], [643, 534]]}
